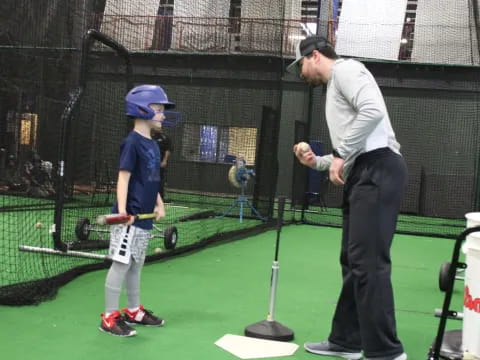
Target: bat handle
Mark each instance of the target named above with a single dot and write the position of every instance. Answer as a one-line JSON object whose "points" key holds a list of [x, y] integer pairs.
{"points": [[145, 216]]}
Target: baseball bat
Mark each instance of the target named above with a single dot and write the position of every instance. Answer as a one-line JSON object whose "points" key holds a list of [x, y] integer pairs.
{"points": [[116, 219]]}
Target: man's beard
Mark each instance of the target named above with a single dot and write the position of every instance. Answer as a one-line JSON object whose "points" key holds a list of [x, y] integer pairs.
{"points": [[315, 81]]}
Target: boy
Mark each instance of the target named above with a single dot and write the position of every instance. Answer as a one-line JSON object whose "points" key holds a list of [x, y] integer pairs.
{"points": [[137, 193]]}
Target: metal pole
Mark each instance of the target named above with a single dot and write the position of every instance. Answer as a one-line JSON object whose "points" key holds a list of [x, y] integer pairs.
{"points": [[275, 266], [65, 120], [476, 18], [67, 117], [273, 292], [310, 119], [319, 8]]}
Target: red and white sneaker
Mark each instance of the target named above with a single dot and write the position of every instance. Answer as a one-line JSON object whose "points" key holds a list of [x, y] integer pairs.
{"points": [[142, 316], [114, 324]]}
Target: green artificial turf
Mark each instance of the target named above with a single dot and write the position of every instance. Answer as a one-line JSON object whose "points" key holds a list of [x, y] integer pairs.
{"points": [[222, 289], [18, 228]]}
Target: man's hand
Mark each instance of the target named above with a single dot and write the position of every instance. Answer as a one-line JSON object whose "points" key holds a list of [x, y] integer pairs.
{"points": [[336, 170], [163, 164], [160, 211], [306, 158]]}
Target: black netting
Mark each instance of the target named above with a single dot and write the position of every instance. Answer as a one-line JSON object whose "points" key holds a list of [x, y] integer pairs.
{"points": [[437, 124], [223, 64], [226, 116]]}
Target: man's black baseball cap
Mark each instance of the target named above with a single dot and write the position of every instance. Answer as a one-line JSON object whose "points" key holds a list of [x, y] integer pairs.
{"points": [[305, 48]]}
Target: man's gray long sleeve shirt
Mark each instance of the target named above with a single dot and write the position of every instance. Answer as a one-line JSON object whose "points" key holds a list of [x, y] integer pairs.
{"points": [[356, 114]]}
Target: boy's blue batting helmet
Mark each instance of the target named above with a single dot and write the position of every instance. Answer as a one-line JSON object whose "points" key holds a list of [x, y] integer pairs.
{"points": [[139, 98]]}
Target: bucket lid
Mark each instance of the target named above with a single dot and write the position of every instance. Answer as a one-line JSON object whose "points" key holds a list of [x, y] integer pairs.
{"points": [[474, 217]]}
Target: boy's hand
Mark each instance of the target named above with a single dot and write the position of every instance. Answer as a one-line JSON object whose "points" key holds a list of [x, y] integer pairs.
{"points": [[132, 218], [160, 211]]}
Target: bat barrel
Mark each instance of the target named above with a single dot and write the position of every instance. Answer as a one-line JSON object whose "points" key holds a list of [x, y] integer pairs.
{"points": [[116, 219], [112, 219]]}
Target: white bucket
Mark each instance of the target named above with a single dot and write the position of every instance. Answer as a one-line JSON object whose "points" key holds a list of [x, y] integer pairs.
{"points": [[471, 319], [473, 240]]}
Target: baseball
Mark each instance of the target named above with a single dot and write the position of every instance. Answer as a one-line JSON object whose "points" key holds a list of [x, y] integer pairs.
{"points": [[158, 250], [303, 147], [38, 225]]}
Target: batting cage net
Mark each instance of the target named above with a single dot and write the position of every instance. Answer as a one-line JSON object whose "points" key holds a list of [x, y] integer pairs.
{"points": [[65, 67], [438, 129], [433, 107], [62, 122]]}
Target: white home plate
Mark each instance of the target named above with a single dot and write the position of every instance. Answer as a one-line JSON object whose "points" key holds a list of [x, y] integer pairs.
{"points": [[245, 347]]}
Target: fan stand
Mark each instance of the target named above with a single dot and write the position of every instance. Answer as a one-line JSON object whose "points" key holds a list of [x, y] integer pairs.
{"points": [[242, 201]]}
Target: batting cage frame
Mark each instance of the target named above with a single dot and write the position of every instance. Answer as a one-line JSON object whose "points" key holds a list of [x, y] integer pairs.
{"points": [[71, 197], [75, 98]]}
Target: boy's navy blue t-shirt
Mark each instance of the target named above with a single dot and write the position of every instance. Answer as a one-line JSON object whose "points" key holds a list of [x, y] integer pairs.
{"points": [[141, 157]]}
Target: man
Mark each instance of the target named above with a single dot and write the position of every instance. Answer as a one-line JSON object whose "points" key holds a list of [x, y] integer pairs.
{"points": [[366, 159], [166, 148]]}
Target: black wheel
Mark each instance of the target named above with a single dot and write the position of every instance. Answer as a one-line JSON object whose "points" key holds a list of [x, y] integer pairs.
{"points": [[443, 276], [170, 238], [82, 230]]}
